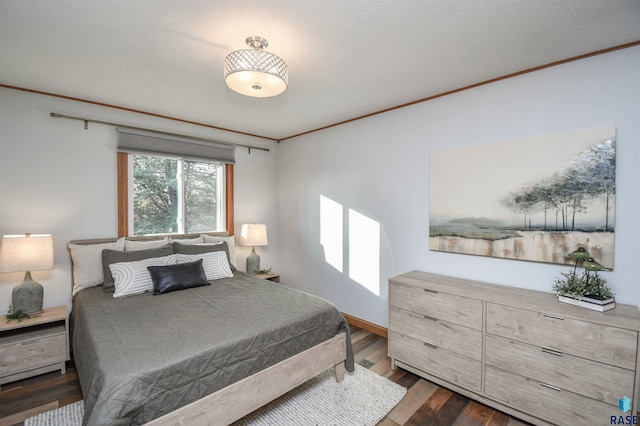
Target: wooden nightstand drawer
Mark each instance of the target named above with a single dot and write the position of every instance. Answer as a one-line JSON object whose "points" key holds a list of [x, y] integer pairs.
{"points": [[447, 307], [32, 352], [450, 336], [609, 345], [581, 376], [35, 345], [454, 368]]}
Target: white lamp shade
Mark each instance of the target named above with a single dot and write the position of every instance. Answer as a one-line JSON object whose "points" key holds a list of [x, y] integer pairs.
{"points": [[255, 83], [29, 252], [254, 234]]}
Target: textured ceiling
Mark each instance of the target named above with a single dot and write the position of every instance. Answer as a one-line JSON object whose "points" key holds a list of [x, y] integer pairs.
{"points": [[347, 58]]}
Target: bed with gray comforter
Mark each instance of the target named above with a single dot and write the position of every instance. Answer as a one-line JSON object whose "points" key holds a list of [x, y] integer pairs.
{"points": [[143, 356]]}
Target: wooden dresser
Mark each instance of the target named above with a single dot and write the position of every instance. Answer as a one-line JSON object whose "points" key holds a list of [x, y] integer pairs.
{"points": [[520, 351]]}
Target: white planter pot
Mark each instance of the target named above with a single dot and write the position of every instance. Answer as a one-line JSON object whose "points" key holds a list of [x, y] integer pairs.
{"points": [[588, 303]]}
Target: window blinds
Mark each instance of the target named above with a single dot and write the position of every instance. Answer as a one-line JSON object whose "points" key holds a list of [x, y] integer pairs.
{"points": [[142, 141]]}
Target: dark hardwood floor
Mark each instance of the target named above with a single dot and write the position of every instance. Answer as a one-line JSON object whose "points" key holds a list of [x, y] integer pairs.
{"points": [[424, 404]]}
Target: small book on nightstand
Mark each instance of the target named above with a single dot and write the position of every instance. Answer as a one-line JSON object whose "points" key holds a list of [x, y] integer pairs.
{"points": [[271, 276]]}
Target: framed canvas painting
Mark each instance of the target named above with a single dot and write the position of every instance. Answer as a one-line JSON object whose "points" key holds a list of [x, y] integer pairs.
{"points": [[534, 199]]}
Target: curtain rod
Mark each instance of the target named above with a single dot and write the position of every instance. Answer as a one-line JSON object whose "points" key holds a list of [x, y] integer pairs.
{"points": [[91, 120]]}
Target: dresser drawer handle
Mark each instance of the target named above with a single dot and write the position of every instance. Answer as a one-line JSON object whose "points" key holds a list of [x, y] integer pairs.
{"points": [[552, 352], [430, 318], [430, 345], [429, 290], [551, 387], [553, 317], [414, 315]]}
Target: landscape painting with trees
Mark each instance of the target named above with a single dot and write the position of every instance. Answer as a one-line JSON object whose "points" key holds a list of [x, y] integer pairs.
{"points": [[535, 199]]}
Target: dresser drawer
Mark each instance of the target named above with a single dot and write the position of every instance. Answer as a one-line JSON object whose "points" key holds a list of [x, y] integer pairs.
{"points": [[33, 353], [609, 345], [446, 335], [449, 366], [447, 307], [578, 375], [539, 400]]}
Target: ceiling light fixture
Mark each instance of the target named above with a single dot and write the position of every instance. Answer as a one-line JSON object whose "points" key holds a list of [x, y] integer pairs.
{"points": [[254, 72]]}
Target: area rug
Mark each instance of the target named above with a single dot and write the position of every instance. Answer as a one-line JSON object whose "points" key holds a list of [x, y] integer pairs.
{"points": [[362, 398]]}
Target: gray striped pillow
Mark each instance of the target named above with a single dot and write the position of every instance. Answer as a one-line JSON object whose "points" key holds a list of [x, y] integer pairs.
{"points": [[131, 278], [215, 263]]}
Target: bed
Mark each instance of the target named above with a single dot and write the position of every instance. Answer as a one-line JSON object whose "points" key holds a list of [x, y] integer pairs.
{"points": [[204, 355]]}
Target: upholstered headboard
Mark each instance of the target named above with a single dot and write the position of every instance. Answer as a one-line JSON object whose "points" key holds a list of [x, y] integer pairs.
{"points": [[87, 254]]}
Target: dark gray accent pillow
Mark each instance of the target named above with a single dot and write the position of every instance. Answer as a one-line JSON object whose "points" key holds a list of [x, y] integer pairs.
{"points": [[176, 277], [203, 248], [114, 256]]}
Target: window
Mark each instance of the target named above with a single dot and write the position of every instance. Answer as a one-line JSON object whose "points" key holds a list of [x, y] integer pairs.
{"points": [[170, 194], [174, 195]]}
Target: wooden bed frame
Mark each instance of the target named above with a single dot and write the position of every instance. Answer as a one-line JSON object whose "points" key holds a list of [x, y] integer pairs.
{"points": [[237, 400], [241, 398]]}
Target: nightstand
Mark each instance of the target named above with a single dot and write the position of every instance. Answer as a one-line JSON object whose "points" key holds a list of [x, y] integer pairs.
{"points": [[35, 345], [271, 276]]}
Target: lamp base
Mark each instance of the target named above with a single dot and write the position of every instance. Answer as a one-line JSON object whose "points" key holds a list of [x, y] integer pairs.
{"points": [[27, 296], [253, 262]]}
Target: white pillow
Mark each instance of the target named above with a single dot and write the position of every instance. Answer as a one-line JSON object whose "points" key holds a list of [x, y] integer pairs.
{"points": [[198, 240], [231, 242], [215, 263], [143, 245], [87, 263], [131, 278]]}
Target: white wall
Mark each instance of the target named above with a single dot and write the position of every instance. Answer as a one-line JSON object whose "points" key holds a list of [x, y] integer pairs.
{"points": [[56, 177], [379, 167]]}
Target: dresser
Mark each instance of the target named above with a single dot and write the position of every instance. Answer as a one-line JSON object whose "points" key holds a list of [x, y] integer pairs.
{"points": [[519, 351]]}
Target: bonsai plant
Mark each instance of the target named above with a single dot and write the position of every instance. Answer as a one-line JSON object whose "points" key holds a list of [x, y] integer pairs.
{"points": [[584, 286]]}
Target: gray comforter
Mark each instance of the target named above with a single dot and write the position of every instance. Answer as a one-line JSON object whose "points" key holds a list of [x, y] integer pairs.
{"points": [[140, 357]]}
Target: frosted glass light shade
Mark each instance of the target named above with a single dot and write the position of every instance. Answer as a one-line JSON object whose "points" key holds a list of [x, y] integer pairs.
{"points": [[29, 252], [254, 234]]}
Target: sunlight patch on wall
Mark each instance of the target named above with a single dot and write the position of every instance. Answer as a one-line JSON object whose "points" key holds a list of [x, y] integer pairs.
{"points": [[362, 239], [364, 251], [331, 225]]}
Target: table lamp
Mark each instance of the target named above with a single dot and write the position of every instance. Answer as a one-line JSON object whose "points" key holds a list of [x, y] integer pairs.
{"points": [[253, 235], [28, 252]]}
